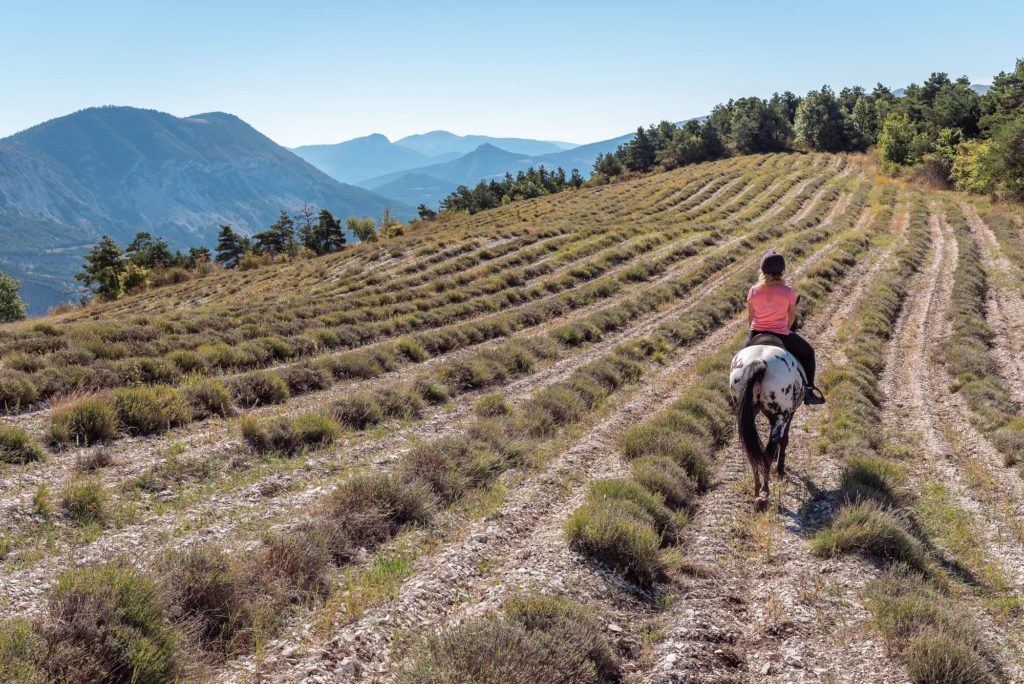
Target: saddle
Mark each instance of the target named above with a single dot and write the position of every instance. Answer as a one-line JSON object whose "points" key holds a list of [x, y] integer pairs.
{"points": [[767, 339]]}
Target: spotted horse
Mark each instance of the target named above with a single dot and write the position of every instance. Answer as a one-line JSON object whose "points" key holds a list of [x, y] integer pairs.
{"points": [[765, 378]]}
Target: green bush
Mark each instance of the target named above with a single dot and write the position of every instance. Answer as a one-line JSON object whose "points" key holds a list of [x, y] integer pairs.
{"points": [[689, 452], [934, 657], [302, 378], [289, 435], [867, 528], [357, 412], [665, 521], [399, 403], [493, 405], [87, 422], [17, 391], [620, 535], [146, 410], [452, 466], [85, 501], [21, 653], [208, 398], [538, 639], [258, 388], [412, 350], [17, 446], [664, 476], [106, 624]]}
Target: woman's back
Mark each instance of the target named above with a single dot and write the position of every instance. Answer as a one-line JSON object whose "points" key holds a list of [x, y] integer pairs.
{"points": [[770, 305]]}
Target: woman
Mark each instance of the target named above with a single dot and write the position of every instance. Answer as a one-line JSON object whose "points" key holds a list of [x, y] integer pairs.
{"points": [[771, 308]]}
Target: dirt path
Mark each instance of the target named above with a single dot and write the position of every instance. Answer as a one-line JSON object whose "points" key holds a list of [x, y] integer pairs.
{"points": [[921, 413], [1005, 305]]}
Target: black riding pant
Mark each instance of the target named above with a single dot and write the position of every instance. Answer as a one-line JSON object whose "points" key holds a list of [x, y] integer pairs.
{"points": [[798, 347]]}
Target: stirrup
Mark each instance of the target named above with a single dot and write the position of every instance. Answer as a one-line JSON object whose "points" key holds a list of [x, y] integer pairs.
{"points": [[813, 396]]}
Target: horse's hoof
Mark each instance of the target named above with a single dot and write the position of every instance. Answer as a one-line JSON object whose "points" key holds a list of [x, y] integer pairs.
{"points": [[761, 504], [781, 472]]}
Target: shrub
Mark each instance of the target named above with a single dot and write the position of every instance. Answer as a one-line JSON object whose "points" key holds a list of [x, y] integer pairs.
{"points": [[569, 624], [370, 509], [106, 623], [258, 388], [66, 379], [289, 435], [288, 568], [412, 350], [355, 365], [94, 459], [934, 657], [17, 446], [451, 466], [17, 391], [145, 410], [399, 403], [302, 378], [154, 371], [357, 411], [87, 422], [462, 375], [187, 361], [620, 535], [85, 501], [493, 405], [21, 648], [867, 528], [689, 453], [664, 476], [539, 639], [431, 392], [552, 408], [871, 477], [208, 398], [209, 595], [665, 521]]}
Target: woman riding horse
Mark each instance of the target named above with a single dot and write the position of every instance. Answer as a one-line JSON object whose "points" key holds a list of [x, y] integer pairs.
{"points": [[773, 374], [771, 309]]}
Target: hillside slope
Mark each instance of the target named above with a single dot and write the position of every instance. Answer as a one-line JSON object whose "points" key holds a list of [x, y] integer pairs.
{"points": [[117, 170], [438, 433]]}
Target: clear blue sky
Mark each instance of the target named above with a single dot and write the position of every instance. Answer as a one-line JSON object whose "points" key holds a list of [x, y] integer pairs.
{"points": [[307, 71]]}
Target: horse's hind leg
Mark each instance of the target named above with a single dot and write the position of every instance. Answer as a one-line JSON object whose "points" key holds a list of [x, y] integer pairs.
{"points": [[783, 443], [755, 467]]}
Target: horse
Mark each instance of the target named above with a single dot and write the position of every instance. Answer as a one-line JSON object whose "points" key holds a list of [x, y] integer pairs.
{"points": [[765, 378]]}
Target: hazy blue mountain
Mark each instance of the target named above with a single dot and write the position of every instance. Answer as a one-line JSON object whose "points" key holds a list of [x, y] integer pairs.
{"points": [[436, 143], [359, 158], [486, 161], [417, 188], [118, 170]]}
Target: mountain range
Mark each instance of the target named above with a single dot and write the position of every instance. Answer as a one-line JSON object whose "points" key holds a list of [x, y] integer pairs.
{"points": [[373, 156], [119, 170]]}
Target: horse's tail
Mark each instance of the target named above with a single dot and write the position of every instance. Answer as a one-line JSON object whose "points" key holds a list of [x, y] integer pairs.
{"points": [[752, 373]]}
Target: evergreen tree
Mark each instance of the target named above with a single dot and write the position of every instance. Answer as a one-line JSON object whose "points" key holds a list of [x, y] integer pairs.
{"points": [[103, 270], [146, 252], [230, 247], [279, 238], [12, 308], [325, 236], [426, 213], [197, 256]]}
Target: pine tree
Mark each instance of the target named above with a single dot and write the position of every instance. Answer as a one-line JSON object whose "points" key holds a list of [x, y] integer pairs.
{"points": [[230, 247], [12, 308], [279, 238], [104, 267]]}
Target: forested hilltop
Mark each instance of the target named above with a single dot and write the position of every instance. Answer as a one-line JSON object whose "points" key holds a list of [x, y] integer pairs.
{"points": [[943, 131]]}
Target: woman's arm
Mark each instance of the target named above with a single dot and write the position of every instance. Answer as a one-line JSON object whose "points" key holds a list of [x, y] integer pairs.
{"points": [[750, 313], [792, 313]]}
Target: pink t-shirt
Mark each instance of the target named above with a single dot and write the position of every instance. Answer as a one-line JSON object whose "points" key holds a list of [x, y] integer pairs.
{"points": [[771, 307]]}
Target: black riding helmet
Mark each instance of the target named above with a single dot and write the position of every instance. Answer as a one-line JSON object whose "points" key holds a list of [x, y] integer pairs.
{"points": [[773, 263]]}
